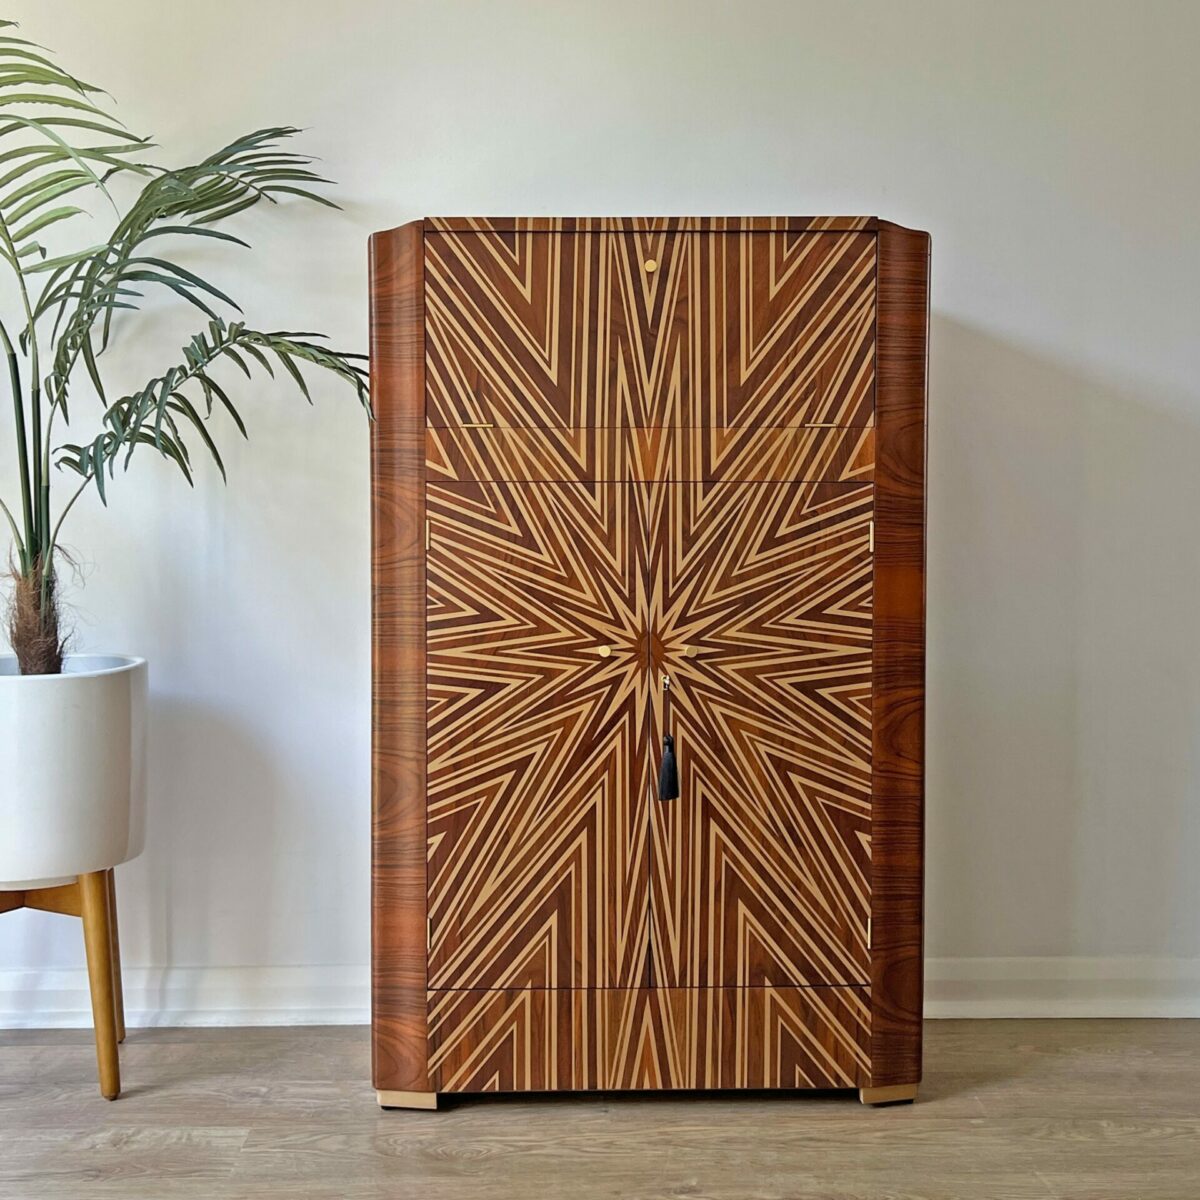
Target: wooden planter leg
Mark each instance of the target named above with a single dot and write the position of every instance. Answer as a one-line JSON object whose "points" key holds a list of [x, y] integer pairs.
{"points": [[97, 941], [118, 990]]}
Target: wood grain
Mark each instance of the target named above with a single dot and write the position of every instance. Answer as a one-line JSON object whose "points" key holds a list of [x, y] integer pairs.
{"points": [[67, 899], [760, 866], [1044, 1110], [538, 769], [522, 1040], [115, 954], [504, 225], [398, 934], [609, 329], [898, 770], [706, 454], [558, 363], [97, 940], [63, 899]]}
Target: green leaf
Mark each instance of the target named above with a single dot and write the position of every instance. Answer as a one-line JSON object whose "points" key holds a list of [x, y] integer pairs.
{"points": [[182, 404], [97, 460], [35, 185], [188, 277], [60, 122], [181, 289], [22, 74], [229, 210], [71, 151], [27, 55], [231, 353], [47, 98], [45, 156], [197, 231], [294, 372], [66, 260], [227, 404], [71, 183], [50, 218], [259, 357], [89, 358]]}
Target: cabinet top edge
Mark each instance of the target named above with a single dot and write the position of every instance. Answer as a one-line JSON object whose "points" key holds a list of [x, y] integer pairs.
{"points": [[647, 225], [662, 224]]}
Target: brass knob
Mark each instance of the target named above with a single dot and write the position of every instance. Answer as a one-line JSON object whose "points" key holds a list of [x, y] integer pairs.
{"points": [[651, 266], [690, 651], [605, 651]]}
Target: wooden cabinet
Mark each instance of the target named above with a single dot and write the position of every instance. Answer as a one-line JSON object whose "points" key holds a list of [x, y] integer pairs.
{"points": [[639, 482]]}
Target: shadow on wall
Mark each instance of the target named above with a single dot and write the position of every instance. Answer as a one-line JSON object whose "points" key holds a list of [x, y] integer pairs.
{"points": [[1064, 658], [207, 891], [215, 890]]}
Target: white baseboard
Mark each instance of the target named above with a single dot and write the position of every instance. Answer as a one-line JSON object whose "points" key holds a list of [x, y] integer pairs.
{"points": [[340, 995], [331, 995], [1062, 987]]}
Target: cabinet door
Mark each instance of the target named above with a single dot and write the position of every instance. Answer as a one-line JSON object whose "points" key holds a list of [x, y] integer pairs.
{"points": [[782, 329], [760, 614], [649, 328], [537, 755], [517, 329]]}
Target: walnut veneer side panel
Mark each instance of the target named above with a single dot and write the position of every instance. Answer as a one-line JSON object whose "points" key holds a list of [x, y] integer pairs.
{"points": [[532, 1040], [398, 940], [898, 783]]}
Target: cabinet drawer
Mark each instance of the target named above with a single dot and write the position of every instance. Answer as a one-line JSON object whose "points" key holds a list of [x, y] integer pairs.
{"points": [[773, 454], [574, 1039], [650, 329]]}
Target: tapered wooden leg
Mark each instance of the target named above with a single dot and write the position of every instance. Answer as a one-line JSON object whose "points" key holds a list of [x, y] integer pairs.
{"points": [[97, 941], [118, 990]]}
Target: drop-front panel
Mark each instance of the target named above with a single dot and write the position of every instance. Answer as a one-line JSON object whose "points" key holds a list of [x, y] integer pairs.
{"points": [[639, 481]]}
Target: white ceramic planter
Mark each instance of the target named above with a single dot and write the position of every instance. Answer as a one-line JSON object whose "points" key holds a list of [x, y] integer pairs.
{"points": [[72, 769]]}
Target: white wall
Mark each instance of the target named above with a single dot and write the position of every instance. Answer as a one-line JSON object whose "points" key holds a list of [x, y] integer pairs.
{"points": [[1050, 148]]}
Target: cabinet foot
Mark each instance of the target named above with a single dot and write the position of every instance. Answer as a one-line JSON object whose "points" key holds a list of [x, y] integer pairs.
{"points": [[407, 1099], [897, 1093]]}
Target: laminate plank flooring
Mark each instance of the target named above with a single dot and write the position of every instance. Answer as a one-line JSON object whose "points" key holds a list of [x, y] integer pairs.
{"points": [[1009, 1110]]}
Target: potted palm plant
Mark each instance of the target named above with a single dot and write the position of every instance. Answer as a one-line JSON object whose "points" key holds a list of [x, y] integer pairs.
{"points": [[71, 726]]}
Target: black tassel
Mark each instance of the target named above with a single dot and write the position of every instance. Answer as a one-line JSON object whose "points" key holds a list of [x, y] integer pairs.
{"points": [[668, 773]]}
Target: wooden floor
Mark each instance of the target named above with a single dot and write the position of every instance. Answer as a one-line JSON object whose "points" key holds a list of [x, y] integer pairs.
{"points": [[1108, 1110]]}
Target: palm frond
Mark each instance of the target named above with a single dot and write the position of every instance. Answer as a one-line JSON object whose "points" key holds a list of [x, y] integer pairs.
{"points": [[38, 163], [59, 146], [86, 291], [179, 403]]}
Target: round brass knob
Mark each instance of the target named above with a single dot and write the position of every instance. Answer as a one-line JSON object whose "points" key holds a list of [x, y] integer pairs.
{"points": [[605, 651], [651, 266], [690, 651]]}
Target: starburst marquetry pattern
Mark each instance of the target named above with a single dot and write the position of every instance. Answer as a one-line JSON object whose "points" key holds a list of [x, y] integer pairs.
{"points": [[553, 611], [761, 612], [518, 1040], [650, 327], [537, 759], [629, 454]]}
